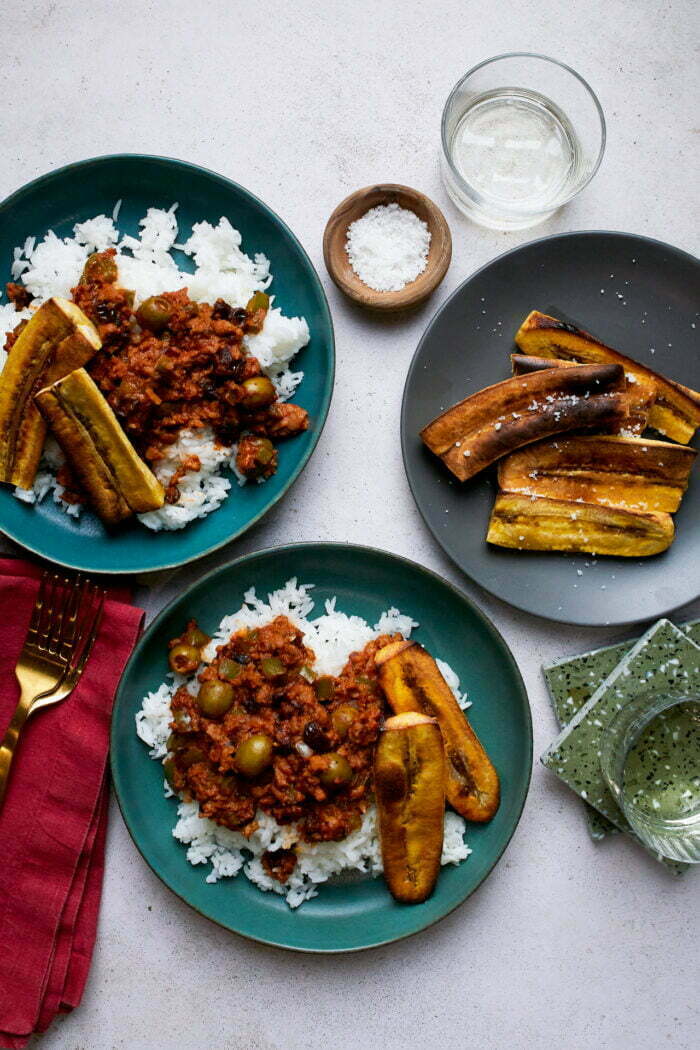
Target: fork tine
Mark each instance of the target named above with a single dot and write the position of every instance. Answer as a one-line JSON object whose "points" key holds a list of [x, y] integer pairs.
{"points": [[85, 613], [70, 621], [47, 604], [78, 664], [61, 594], [38, 606]]}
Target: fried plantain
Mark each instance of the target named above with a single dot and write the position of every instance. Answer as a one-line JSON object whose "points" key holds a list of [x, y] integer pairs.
{"points": [[412, 681], [409, 783]]}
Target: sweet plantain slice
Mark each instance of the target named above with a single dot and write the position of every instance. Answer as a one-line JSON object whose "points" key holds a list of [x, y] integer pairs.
{"points": [[409, 784], [412, 681], [497, 420], [640, 390], [676, 410], [609, 469], [56, 340], [541, 524], [117, 481]]}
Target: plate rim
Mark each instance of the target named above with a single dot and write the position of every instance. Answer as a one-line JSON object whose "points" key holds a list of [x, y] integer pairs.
{"points": [[404, 402], [360, 549], [328, 385]]}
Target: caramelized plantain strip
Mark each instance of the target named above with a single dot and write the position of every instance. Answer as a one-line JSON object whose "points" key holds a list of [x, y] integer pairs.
{"points": [[56, 340], [676, 409], [409, 784], [640, 391], [412, 681], [542, 524], [617, 471], [495, 421], [116, 480]]}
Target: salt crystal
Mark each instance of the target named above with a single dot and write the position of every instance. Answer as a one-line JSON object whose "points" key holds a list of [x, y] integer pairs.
{"points": [[388, 247]]}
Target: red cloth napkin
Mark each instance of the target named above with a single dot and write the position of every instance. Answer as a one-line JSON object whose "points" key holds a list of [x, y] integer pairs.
{"points": [[53, 822]]}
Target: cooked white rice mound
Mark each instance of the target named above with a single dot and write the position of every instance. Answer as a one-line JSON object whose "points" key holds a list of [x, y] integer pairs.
{"points": [[333, 636], [146, 264]]}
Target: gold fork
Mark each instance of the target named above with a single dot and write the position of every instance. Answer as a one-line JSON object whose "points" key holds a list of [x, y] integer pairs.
{"points": [[63, 627]]}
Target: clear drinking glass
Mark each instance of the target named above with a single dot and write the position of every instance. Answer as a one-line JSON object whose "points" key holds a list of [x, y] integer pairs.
{"points": [[521, 135], [650, 758]]}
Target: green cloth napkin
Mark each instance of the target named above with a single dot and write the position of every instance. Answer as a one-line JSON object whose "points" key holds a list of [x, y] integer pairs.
{"points": [[573, 681], [665, 659]]}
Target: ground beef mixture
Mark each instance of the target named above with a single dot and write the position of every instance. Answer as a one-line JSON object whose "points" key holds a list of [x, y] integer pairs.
{"points": [[264, 732], [174, 364]]}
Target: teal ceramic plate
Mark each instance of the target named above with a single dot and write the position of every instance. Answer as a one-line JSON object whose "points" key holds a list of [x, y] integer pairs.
{"points": [[354, 915], [74, 193]]}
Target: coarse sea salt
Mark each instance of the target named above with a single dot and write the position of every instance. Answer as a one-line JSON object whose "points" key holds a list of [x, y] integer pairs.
{"points": [[388, 247]]}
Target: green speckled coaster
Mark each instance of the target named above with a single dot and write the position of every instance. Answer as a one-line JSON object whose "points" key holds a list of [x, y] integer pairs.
{"points": [[573, 681], [664, 660]]}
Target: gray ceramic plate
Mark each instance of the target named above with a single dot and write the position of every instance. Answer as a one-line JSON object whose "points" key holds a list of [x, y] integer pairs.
{"points": [[636, 294]]}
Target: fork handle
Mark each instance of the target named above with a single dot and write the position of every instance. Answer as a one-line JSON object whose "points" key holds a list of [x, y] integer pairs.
{"points": [[9, 741]]}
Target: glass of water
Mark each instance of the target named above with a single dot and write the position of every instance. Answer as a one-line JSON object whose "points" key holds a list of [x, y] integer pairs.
{"points": [[521, 135], [650, 758]]}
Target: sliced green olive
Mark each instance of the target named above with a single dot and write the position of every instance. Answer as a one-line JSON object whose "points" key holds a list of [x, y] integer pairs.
{"points": [[164, 364], [272, 667], [226, 781], [175, 741], [191, 754], [324, 687], [169, 770], [342, 718], [229, 669], [99, 267], [258, 392], [258, 301], [337, 774], [253, 755], [154, 313], [184, 658], [214, 698], [195, 636], [264, 451]]}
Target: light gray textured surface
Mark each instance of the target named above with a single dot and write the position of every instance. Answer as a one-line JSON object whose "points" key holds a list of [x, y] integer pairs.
{"points": [[568, 944]]}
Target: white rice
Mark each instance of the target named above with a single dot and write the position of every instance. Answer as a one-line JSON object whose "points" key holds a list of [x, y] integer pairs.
{"points": [[333, 636], [146, 264]]}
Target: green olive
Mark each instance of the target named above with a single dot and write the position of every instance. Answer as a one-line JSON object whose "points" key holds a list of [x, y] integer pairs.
{"points": [[337, 774], [258, 301], [99, 267], [184, 658], [342, 718], [324, 687], [253, 755], [154, 313], [272, 667], [214, 698], [258, 392], [169, 770], [229, 669], [193, 636]]}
